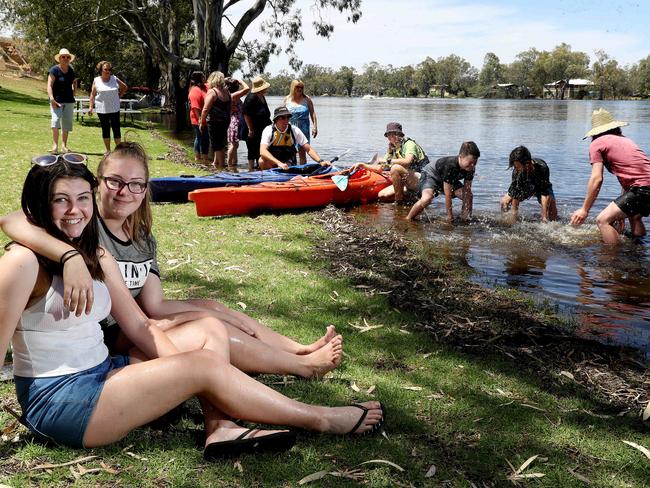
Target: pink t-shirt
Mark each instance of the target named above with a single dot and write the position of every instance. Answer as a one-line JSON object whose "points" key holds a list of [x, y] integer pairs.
{"points": [[623, 158], [196, 98]]}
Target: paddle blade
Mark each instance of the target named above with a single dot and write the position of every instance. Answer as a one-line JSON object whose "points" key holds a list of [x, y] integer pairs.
{"points": [[341, 181], [374, 159]]}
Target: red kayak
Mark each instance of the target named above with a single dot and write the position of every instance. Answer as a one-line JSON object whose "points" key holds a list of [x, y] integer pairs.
{"points": [[315, 191]]}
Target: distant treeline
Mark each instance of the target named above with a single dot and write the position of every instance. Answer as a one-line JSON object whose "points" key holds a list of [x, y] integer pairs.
{"points": [[452, 75]]}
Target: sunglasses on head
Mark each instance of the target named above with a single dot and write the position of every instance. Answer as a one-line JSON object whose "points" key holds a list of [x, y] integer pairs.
{"points": [[50, 159]]}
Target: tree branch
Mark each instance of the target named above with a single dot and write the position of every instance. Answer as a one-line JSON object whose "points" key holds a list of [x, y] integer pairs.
{"points": [[246, 20]]}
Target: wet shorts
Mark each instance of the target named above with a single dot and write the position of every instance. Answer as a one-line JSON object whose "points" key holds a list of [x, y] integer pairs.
{"points": [[58, 408], [635, 201], [62, 116], [428, 182]]}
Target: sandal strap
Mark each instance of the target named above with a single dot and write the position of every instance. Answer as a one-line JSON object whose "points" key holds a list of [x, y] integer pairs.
{"points": [[361, 419], [245, 433]]}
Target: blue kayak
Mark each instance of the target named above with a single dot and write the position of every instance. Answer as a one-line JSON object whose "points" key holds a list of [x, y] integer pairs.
{"points": [[176, 188]]}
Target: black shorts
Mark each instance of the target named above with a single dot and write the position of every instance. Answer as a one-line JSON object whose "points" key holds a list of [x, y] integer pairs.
{"points": [[429, 182], [635, 201]]}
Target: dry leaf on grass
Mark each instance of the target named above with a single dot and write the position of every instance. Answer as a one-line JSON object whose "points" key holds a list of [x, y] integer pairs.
{"points": [[354, 386], [584, 479], [412, 388], [133, 455], [382, 461], [431, 471], [519, 475], [567, 375], [80, 460], [313, 477], [639, 448], [371, 389], [646, 412], [238, 466], [242, 305]]}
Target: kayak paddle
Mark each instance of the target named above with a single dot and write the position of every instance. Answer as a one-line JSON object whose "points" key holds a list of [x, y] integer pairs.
{"points": [[341, 180], [336, 158]]}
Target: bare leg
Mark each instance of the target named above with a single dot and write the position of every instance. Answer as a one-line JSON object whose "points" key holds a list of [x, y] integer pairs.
{"points": [[387, 194], [219, 160], [64, 140], [421, 204], [398, 174], [302, 155], [252, 355], [605, 221], [55, 139], [638, 228], [107, 144], [262, 332], [139, 393], [232, 156], [117, 141]]}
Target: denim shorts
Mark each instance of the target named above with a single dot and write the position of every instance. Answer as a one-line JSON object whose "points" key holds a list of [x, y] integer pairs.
{"points": [[62, 116], [58, 409]]}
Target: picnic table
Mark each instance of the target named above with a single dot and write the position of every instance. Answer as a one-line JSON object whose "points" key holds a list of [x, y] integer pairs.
{"points": [[126, 107]]}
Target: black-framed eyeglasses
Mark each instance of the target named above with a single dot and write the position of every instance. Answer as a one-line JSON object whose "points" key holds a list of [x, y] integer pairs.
{"points": [[50, 159], [117, 184]]}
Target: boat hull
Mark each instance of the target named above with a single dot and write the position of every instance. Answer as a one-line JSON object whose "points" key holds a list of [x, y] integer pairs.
{"points": [[176, 188], [311, 192]]}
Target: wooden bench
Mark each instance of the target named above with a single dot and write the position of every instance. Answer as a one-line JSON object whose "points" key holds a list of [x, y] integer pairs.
{"points": [[126, 108]]}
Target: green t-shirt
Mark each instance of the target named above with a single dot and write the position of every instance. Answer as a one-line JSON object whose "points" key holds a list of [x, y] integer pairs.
{"points": [[408, 147]]}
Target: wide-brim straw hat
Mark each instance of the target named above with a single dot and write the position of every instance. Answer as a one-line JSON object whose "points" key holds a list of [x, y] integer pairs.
{"points": [[63, 52], [602, 121], [259, 84]]}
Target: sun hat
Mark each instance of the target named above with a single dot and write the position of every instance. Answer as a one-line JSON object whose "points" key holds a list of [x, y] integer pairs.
{"points": [[602, 121], [64, 52], [394, 127], [259, 84], [280, 112]]}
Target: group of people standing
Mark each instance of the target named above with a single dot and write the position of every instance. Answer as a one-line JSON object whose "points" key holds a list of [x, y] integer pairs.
{"points": [[221, 119], [452, 176]]}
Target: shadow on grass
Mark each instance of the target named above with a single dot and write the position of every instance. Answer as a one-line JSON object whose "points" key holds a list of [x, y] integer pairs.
{"points": [[12, 96]]}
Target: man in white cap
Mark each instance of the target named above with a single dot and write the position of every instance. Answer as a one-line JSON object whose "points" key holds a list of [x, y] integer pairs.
{"points": [[622, 157], [61, 84]]}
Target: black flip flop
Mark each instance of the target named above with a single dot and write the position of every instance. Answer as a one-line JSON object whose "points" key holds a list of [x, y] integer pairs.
{"points": [[375, 427], [277, 442]]}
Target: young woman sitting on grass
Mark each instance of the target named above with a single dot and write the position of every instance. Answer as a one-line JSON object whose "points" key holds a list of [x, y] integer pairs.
{"points": [[73, 393], [125, 231]]}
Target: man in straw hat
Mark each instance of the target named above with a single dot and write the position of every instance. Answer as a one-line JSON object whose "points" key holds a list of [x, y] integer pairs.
{"points": [[622, 157], [278, 147], [61, 84]]}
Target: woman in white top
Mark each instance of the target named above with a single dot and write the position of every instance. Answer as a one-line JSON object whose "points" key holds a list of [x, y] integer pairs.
{"points": [[105, 97], [73, 393]]}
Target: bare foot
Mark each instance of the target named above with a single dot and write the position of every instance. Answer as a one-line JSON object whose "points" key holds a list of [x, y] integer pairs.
{"points": [[55, 148], [228, 431], [330, 333], [325, 359], [341, 420], [65, 149]]}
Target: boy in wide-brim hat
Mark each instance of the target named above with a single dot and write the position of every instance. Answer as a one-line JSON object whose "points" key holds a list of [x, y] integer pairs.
{"points": [[622, 157]]}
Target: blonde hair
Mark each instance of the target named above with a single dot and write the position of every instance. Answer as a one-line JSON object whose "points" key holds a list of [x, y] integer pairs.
{"points": [[292, 88], [137, 225], [217, 80]]}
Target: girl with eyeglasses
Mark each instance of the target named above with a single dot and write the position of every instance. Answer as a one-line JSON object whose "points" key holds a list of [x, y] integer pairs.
{"points": [[105, 97], [125, 231], [72, 392]]}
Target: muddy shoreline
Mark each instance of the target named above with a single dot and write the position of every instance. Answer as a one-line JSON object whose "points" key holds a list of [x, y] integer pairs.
{"points": [[476, 320]]}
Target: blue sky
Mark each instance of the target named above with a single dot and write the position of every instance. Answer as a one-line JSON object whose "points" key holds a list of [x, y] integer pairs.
{"points": [[401, 32]]}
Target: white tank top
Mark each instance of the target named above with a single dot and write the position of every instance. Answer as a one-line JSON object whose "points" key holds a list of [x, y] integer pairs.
{"points": [[107, 100], [50, 341]]}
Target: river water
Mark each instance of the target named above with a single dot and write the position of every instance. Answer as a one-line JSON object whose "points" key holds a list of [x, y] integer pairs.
{"points": [[604, 292]]}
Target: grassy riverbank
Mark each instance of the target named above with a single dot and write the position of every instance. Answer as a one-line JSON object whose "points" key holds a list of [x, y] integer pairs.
{"points": [[469, 378]]}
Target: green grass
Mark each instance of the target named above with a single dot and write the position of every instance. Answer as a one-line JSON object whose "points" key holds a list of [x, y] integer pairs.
{"points": [[467, 415]]}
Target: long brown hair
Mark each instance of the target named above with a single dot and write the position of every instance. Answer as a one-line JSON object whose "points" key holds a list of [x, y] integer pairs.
{"points": [[36, 202], [137, 225]]}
